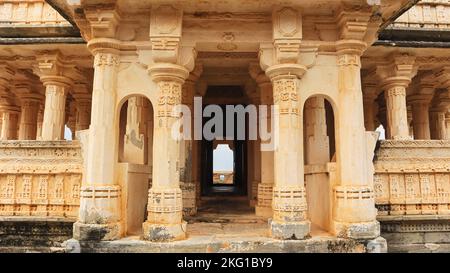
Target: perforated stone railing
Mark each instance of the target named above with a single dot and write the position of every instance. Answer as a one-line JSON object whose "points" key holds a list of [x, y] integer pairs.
{"points": [[428, 14], [412, 178], [40, 178], [29, 12]]}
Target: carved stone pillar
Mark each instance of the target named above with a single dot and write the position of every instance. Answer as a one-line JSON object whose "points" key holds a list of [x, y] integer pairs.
{"points": [[370, 94], [55, 107], [165, 221], [40, 120], [188, 147], [421, 121], [10, 117], [255, 170], [28, 118], [8, 111], [172, 63], [354, 212], [265, 188], [83, 114], [395, 78], [289, 195], [447, 124], [438, 123], [100, 211], [83, 106], [71, 118], [442, 103]]}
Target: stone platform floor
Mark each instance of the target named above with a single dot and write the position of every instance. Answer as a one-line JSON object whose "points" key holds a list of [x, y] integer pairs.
{"points": [[225, 225]]}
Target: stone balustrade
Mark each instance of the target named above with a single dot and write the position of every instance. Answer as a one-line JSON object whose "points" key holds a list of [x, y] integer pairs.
{"points": [[429, 14], [40, 178], [33, 12], [412, 178]]}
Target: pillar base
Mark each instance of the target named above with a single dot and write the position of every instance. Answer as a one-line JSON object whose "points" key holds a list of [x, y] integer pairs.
{"points": [[363, 230], [378, 245], [290, 231], [96, 232], [263, 211], [164, 233], [189, 211]]}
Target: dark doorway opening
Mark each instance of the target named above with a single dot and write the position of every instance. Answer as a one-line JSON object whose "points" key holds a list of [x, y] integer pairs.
{"points": [[217, 180]]}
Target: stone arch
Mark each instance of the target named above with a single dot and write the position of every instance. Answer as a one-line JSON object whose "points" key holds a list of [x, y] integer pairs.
{"points": [[135, 157], [319, 144]]}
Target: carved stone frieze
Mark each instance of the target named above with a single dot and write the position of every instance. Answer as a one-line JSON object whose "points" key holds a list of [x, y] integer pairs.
{"points": [[40, 178]]}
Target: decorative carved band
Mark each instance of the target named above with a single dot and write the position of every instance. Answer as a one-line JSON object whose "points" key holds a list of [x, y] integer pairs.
{"points": [[413, 177], [100, 192], [289, 199], [106, 59], [406, 226], [355, 193], [265, 194], [165, 200], [170, 96], [40, 178], [396, 91], [285, 95], [349, 60]]}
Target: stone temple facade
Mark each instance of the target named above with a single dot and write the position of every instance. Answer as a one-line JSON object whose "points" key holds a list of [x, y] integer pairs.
{"points": [[111, 72]]}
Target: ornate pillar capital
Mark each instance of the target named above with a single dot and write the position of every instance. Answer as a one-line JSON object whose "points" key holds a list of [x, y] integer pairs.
{"points": [[349, 47], [398, 72], [6, 74], [286, 71], [53, 68], [168, 72], [104, 45], [420, 99], [442, 77], [195, 74]]}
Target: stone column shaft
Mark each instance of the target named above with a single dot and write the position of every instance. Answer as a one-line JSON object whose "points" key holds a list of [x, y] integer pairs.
{"points": [[447, 125], [188, 186], [10, 117], [165, 219], [354, 210], [421, 119], [100, 211], [397, 113], [256, 156], [369, 111], [55, 109], [438, 124], [289, 195], [40, 120], [265, 188], [28, 119], [83, 119]]}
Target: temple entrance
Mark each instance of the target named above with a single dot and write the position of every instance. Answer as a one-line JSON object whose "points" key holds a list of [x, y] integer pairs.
{"points": [[224, 163], [224, 158]]}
